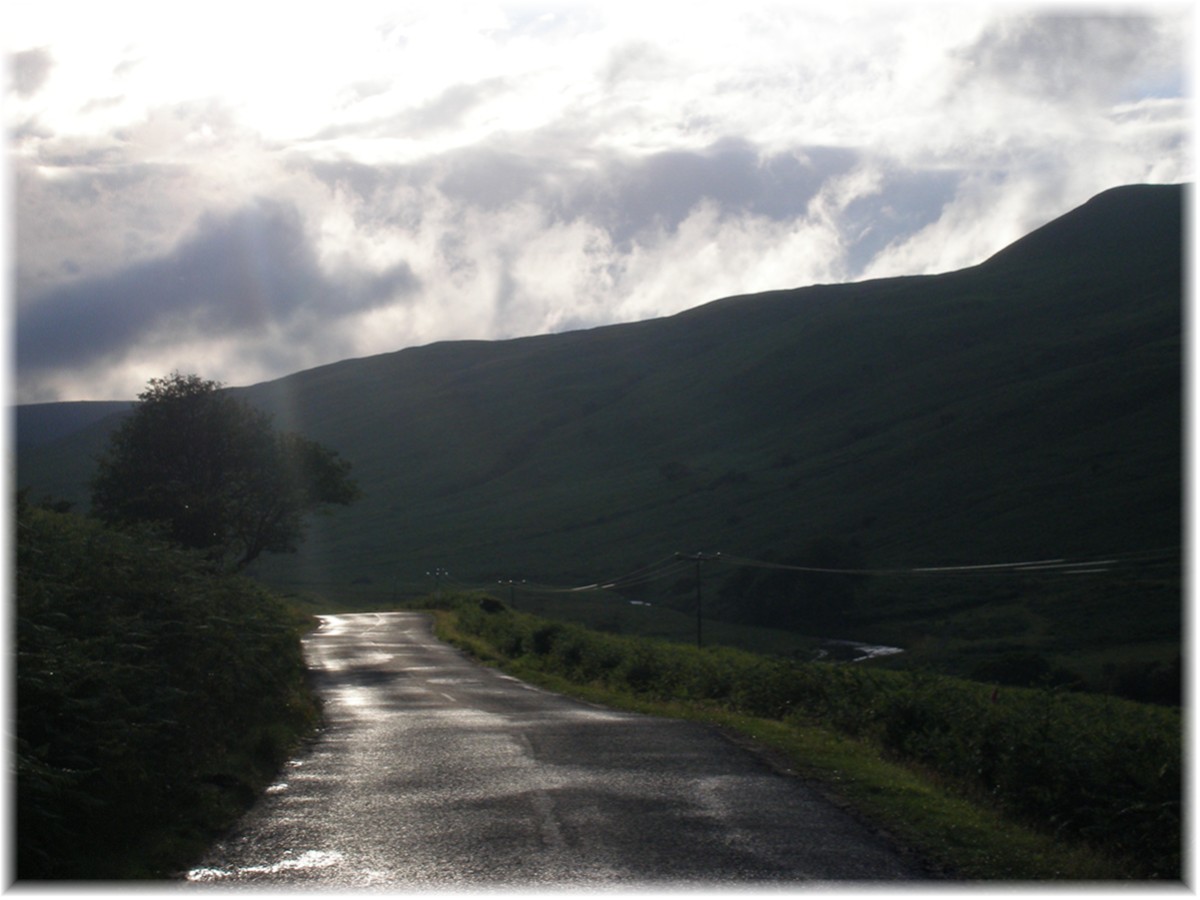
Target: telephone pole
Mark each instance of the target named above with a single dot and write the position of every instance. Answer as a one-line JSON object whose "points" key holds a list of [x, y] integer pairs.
{"points": [[698, 558], [512, 589], [437, 580]]}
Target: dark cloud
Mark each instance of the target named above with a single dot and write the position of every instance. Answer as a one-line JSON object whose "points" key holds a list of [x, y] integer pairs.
{"points": [[448, 109], [91, 183], [494, 177], [1065, 56], [627, 195], [371, 188], [908, 201], [29, 128], [237, 274], [661, 190], [81, 153], [30, 69]]}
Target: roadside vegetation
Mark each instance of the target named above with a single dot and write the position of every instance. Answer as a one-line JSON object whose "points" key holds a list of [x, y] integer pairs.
{"points": [[158, 691], [986, 782], [154, 697]]}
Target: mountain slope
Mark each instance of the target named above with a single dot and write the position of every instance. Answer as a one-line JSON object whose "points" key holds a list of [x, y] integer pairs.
{"points": [[37, 424], [1025, 408]]}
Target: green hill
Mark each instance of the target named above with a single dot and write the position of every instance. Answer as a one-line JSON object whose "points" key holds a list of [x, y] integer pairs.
{"points": [[38, 424], [1027, 408]]}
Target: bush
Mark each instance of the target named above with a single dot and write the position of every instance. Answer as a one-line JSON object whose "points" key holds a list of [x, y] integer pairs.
{"points": [[1023, 668], [149, 694], [641, 668]]}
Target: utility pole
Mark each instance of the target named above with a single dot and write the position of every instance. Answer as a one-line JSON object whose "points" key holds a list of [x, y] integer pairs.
{"points": [[698, 558], [437, 580], [512, 589]]}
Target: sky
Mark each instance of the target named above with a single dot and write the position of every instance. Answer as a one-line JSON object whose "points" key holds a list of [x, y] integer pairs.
{"points": [[246, 190]]}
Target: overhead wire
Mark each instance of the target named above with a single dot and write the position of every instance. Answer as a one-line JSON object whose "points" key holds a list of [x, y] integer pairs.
{"points": [[677, 564], [655, 571], [1059, 565]]}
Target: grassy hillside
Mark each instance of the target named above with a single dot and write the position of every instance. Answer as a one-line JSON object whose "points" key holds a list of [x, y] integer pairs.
{"points": [[1023, 409], [38, 424]]}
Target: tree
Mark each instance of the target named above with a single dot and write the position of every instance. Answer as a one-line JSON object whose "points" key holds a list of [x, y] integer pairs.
{"points": [[214, 474]]}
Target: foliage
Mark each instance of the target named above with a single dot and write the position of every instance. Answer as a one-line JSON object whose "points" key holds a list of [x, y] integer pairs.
{"points": [[1096, 770], [211, 470], [1022, 668], [152, 697]]}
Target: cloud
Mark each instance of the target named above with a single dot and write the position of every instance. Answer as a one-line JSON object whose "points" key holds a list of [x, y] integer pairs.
{"points": [[83, 222], [30, 69], [623, 194], [662, 189], [1068, 57], [92, 204], [242, 275], [445, 111], [627, 194]]}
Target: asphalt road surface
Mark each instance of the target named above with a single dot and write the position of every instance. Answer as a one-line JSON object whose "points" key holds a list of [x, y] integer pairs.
{"points": [[436, 772]]}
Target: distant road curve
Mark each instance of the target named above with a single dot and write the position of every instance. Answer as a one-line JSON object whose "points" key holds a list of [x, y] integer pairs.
{"points": [[434, 771]]}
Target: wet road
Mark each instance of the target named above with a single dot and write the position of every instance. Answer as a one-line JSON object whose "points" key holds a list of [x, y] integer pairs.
{"points": [[436, 772]]}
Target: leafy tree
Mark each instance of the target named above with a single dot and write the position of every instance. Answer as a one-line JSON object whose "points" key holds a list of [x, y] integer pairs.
{"points": [[213, 473]]}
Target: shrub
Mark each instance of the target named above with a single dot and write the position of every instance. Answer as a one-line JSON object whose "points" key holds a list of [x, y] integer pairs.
{"points": [[543, 637], [640, 670], [143, 681]]}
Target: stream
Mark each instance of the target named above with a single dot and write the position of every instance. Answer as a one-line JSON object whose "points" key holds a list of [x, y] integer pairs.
{"points": [[853, 651]]}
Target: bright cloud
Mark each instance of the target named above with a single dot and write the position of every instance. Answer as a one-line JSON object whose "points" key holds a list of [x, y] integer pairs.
{"points": [[248, 190]]}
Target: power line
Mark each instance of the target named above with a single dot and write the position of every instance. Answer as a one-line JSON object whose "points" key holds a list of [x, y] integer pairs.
{"points": [[1037, 566], [676, 564], [655, 571]]}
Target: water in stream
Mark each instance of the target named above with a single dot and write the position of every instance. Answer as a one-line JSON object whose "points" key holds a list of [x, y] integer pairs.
{"points": [[853, 651]]}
